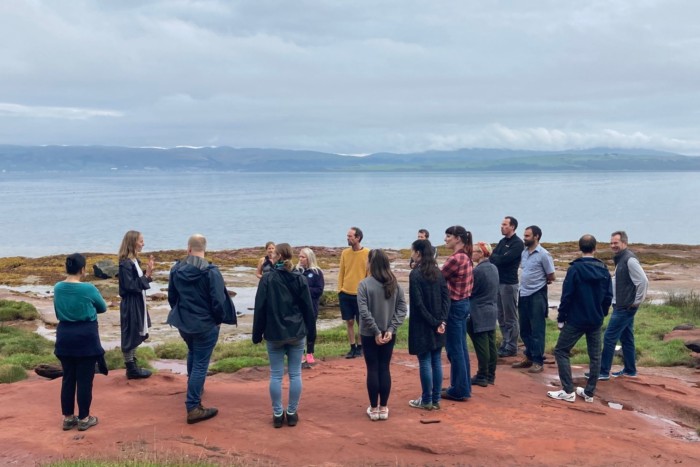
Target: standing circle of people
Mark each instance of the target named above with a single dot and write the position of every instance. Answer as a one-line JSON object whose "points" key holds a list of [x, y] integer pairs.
{"points": [[477, 290]]}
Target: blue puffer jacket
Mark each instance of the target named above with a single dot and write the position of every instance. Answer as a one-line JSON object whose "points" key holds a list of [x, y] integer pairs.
{"points": [[586, 294]]}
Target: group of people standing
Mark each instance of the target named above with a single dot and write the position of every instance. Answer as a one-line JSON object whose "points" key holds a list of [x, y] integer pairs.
{"points": [[199, 303], [475, 289]]}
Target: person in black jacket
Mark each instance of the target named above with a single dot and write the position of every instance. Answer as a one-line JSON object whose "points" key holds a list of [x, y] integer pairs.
{"points": [[430, 304], [284, 316], [134, 317], [585, 299], [199, 303]]}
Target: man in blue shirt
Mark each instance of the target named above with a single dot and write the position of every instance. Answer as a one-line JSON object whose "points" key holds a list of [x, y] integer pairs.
{"points": [[537, 270]]}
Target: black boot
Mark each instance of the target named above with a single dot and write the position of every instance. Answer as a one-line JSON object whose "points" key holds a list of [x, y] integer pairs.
{"points": [[134, 372]]}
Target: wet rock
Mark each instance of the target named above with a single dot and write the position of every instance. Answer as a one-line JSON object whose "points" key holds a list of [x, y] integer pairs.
{"points": [[105, 269], [694, 345], [49, 371], [158, 297]]}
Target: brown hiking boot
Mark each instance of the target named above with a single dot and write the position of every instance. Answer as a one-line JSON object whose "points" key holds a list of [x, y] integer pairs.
{"points": [[536, 368], [522, 364], [199, 414]]}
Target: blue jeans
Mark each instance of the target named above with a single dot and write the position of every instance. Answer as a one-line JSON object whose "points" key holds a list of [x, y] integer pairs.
{"points": [[199, 349], [533, 317], [620, 327], [457, 352], [430, 364], [568, 337], [276, 352]]}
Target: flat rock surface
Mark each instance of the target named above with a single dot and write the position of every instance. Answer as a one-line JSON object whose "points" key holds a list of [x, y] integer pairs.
{"points": [[510, 423]]}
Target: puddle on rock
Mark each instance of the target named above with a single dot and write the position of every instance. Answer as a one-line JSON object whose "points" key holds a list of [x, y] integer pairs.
{"points": [[175, 366]]}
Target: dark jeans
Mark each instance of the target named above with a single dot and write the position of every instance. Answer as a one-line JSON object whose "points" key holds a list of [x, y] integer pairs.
{"points": [[533, 316], [377, 359], [430, 364], [457, 351], [508, 316], [199, 349], [620, 327], [486, 351], [78, 374], [568, 337]]}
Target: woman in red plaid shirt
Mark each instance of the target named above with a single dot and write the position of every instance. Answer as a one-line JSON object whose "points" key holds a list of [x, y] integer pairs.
{"points": [[457, 271]]}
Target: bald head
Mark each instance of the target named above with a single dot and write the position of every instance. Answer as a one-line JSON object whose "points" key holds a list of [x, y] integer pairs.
{"points": [[197, 245]]}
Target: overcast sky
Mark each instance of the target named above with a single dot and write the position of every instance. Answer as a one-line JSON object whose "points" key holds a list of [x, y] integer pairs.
{"points": [[352, 76]]}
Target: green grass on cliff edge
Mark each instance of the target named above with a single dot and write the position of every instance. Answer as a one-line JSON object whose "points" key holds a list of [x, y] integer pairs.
{"points": [[25, 350]]}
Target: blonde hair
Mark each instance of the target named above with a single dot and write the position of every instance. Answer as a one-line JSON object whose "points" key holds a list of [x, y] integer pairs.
{"points": [[311, 257], [127, 250], [284, 251], [198, 243]]}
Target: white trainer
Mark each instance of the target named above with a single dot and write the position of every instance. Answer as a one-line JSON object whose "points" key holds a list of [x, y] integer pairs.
{"points": [[581, 392], [562, 395]]}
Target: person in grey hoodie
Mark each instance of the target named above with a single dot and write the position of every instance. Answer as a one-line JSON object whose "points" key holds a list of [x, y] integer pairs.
{"points": [[382, 306], [199, 303], [585, 299], [481, 323]]}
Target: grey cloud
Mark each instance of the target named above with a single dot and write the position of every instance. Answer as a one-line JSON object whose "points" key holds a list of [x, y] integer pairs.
{"points": [[354, 77]]}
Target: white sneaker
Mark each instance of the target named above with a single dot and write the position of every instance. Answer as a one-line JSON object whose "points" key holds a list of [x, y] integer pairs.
{"points": [[581, 392], [373, 414], [562, 395]]}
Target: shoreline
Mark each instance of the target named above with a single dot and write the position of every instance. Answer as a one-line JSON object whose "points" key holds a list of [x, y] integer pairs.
{"points": [[670, 268]]}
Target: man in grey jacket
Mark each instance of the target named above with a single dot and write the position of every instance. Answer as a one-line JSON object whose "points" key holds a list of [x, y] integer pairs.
{"points": [[199, 304], [629, 290]]}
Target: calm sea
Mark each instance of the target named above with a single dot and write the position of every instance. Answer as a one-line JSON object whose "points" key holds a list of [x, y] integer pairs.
{"points": [[55, 213]]}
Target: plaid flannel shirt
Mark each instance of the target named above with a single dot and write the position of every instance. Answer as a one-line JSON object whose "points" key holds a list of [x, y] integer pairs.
{"points": [[458, 272]]}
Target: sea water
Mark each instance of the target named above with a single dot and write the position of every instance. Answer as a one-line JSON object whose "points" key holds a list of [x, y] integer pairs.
{"points": [[57, 213]]}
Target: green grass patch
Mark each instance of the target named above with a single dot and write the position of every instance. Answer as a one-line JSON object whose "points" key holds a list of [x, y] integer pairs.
{"points": [[174, 350], [233, 364], [651, 324], [30, 361], [11, 310], [11, 373], [687, 302], [15, 341]]}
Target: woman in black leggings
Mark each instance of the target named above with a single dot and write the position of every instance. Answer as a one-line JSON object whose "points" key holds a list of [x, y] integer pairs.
{"points": [[382, 310], [78, 344]]}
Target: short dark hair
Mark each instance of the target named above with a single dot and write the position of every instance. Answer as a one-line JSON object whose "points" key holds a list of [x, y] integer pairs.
{"points": [[536, 231], [622, 234], [75, 263], [424, 232], [587, 243], [358, 232], [513, 221]]}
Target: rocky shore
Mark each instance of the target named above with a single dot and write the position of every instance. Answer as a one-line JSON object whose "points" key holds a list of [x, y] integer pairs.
{"points": [[511, 423]]}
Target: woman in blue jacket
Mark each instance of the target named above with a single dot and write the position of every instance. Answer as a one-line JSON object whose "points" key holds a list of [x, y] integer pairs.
{"points": [[78, 344], [314, 277]]}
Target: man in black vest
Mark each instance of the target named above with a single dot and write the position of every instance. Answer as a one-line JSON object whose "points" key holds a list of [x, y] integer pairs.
{"points": [[629, 289]]}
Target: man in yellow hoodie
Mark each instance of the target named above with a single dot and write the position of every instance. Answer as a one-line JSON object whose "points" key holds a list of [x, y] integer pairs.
{"points": [[353, 268]]}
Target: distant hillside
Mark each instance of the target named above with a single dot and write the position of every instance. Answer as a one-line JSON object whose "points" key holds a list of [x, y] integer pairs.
{"points": [[104, 158]]}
